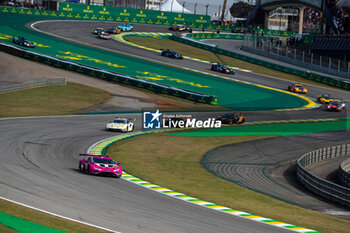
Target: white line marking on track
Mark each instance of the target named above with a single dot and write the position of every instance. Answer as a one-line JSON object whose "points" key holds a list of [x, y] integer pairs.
{"points": [[60, 216]]}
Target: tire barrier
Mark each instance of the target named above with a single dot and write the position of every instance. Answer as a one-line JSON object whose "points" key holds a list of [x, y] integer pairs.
{"points": [[305, 74], [320, 186], [110, 76], [31, 84], [344, 173]]}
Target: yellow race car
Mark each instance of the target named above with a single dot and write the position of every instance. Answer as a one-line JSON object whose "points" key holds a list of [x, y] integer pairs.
{"points": [[324, 99], [297, 88]]}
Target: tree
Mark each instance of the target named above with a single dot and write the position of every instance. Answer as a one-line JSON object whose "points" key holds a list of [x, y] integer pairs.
{"points": [[241, 9]]}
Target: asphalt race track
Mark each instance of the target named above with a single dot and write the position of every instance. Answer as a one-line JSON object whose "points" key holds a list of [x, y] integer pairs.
{"points": [[267, 167], [40, 159], [41, 169], [81, 32]]}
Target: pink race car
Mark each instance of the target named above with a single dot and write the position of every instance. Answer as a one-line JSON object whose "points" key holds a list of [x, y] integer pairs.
{"points": [[100, 164]]}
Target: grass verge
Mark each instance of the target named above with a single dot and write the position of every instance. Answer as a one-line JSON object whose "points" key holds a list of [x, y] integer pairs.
{"points": [[194, 52], [175, 164], [50, 100], [5, 229], [43, 219]]}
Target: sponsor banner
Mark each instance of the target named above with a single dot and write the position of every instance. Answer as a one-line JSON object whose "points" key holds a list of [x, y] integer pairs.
{"points": [[90, 12], [132, 15]]}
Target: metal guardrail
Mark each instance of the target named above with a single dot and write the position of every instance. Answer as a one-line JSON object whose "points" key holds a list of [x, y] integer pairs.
{"points": [[31, 84], [335, 82], [264, 47], [185, 37], [344, 173], [320, 186]]}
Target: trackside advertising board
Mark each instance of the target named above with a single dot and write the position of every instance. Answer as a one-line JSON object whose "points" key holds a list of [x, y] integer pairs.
{"points": [[131, 15], [88, 12]]}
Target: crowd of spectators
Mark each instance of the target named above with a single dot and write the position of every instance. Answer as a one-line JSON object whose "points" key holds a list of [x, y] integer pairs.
{"points": [[24, 4], [312, 19], [341, 21]]}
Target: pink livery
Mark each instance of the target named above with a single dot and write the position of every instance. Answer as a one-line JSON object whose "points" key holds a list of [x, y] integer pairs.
{"points": [[100, 164]]}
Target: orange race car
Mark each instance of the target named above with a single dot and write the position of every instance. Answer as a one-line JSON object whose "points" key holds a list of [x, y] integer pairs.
{"points": [[297, 88]]}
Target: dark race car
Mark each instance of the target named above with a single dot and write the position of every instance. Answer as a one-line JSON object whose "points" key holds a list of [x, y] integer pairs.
{"points": [[231, 118], [23, 42], [171, 53], [98, 30], [113, 31], [222, 68], [104, 36]]}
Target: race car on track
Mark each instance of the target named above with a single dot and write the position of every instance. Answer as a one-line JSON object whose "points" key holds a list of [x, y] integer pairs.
{"points": [[126, 27], [231, 118], [222, 68], [171, 53], [113, 31], [23, 42], [336, 105], [98, 30], [324, 99], [104, 36], [297, 88], [179, 28], [120, 124], [100, 165]]}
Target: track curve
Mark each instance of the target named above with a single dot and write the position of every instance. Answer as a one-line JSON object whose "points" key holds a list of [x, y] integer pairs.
{"points": [[40, 167], [266, 167], [80, 31]]}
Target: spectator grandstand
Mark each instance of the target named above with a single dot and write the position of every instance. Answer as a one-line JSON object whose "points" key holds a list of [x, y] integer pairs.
{"points": [[340, 11], [312, 20]]}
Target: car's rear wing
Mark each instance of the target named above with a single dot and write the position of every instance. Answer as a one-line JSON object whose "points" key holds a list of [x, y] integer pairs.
{"points": [[129, 119]]}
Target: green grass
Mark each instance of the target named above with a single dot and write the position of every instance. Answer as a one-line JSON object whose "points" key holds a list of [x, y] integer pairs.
{"points": [[5, 229], [50, 100], [175, 164], [43, 219], [194, 52], [42, 101], [284, 129]]}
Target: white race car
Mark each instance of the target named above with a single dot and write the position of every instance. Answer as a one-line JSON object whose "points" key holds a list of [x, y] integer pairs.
{"points": [[120, 124]]}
